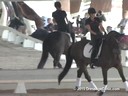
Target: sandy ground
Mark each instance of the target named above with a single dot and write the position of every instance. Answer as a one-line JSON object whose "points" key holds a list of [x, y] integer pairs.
{"points": [[63, 92]]}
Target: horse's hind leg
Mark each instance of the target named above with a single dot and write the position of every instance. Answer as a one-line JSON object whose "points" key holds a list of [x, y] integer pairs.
{"points": [[120, 70], [43, 59], [56, 60], [56, 63]]}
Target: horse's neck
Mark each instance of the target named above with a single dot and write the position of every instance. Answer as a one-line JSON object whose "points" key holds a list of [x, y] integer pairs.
{"points": [[108, 50]]}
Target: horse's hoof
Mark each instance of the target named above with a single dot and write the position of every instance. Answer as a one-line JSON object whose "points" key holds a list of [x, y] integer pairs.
{"points": [[60, 66], [100, 93], [96, 91], [77, 88], [92, 66]]}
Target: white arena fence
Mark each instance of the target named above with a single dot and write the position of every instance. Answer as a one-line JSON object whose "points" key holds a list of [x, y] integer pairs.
{"points": [[11, 35]]}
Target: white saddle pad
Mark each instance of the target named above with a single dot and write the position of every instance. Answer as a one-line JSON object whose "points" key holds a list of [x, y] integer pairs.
{"points": [[88, 50]]}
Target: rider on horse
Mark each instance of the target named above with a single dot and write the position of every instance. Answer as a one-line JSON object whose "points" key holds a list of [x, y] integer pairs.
{"points": [[94, 25], [59, 16]]}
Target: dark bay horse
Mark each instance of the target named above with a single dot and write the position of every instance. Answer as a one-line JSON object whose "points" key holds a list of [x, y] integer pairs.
{"points": [[40, 34], [109, 57], [56, 43]]}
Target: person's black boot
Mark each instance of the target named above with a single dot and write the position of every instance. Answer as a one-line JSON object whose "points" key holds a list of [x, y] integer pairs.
{"points": [[92, 66], [73, 37], [93, 60], [92, 63]]}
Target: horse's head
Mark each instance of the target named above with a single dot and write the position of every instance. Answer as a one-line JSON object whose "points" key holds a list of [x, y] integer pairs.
{"points": [[124, 42], [121, 39]]}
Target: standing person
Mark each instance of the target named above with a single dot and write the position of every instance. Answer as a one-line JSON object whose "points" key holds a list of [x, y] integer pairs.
{"points": [[50, 26], [60, 18], [78, 21], [101, 16], [83, 20], [123, 23], [94, 25]]}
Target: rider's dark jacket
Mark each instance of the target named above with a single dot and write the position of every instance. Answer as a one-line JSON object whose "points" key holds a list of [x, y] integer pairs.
{"points": [[59, 16], [95, 39], [94, 26]]}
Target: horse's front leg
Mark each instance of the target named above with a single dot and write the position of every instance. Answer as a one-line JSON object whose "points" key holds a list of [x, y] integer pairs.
{"points": [[105, 81], [120, 70]]}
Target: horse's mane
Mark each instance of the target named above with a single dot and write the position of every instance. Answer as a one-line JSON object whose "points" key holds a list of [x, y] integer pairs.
{"points": [[114, 34]]}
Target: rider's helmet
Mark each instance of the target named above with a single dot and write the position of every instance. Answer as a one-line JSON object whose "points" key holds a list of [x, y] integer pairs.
{"points": [[91, 11]]}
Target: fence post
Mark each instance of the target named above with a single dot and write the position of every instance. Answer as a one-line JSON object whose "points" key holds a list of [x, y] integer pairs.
{"points": [[20, 89]]}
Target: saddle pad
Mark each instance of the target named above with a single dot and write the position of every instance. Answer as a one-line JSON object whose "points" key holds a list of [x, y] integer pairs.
{"points": [[88, 50]]}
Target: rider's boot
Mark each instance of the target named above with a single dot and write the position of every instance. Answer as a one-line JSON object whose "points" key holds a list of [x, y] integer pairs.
{"points": [[92, 65], [73, 37], [92, 60]]}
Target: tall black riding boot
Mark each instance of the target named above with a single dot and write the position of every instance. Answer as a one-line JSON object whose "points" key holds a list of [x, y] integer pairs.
{"points": [[73, 37], [92, 65], [93, 55]]}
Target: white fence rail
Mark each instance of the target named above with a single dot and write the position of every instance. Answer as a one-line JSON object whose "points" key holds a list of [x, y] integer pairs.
{"points": [[13, 36]]}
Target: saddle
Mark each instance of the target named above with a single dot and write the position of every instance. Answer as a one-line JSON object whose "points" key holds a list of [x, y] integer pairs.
{"points": [[87, 51]]}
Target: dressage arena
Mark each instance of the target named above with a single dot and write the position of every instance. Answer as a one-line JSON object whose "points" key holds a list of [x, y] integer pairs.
{"points": [[18, 76]]}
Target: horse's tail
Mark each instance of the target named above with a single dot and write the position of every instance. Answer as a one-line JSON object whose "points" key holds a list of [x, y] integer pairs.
{"points": [[68, 64], [43, 58]]}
